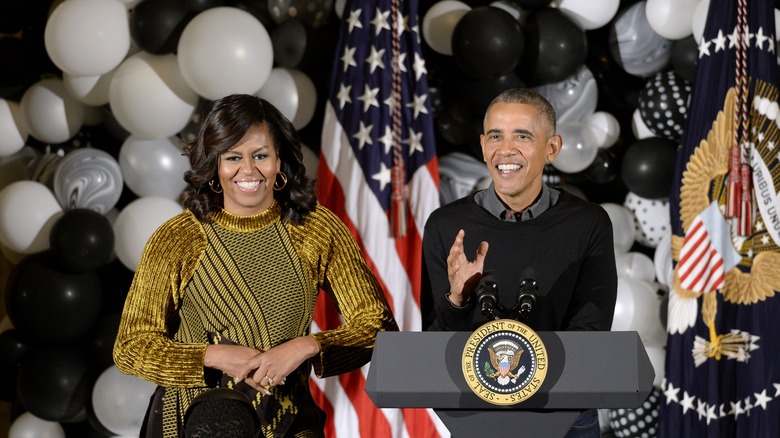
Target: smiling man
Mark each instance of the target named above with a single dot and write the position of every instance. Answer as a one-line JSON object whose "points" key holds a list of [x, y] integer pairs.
{"points": [[519, 229]]}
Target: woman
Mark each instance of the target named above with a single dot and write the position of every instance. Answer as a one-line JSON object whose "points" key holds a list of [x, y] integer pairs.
{"points": [[224, 292]]}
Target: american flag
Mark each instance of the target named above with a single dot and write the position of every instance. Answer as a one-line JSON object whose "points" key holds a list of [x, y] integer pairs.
{"points": [[378, 171], [721, 376]]}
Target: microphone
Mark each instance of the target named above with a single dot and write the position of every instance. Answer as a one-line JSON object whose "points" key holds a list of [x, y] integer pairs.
{"points": [[487, 294], [527, 296]]}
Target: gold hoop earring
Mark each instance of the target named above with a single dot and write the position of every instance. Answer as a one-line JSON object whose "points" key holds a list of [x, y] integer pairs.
{"points": [[218, 188], [278, 187]]}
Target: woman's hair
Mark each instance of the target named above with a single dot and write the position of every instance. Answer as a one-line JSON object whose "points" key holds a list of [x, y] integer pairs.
{"points": [[226, 122]]}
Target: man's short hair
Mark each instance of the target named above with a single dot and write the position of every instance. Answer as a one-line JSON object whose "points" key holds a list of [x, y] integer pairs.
{"points": [[527, 97]]}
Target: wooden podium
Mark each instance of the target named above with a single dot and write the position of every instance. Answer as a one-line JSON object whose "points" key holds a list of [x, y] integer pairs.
{"points": [[586, 370]]}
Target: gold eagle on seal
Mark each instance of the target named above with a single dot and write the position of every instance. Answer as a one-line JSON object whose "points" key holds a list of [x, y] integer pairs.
{"points": [[755, 275], [504, 365]]}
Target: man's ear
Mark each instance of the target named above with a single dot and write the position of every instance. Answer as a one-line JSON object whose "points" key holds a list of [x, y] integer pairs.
{"points": [[554, 145], [482, 146]]}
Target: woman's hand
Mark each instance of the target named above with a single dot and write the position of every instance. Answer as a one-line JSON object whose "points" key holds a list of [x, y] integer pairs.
{"points": [[271, 367], [230, 359]]}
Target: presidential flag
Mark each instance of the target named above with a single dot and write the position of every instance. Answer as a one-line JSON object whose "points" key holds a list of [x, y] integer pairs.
{"points": [[378, 171], [722, 377]]}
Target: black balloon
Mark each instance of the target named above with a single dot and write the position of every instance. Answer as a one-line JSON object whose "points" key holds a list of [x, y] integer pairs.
{"points": [[647, 168], [532, 4], [156, 25], [55, 384], [289, 41], [480, 92], [604, 167], [48, 305], [685, 55], [487, 42], [12, 351], [82, 240], [102, 339], [12, 63], [663, 104], [297, 44], [639, 422], [555, 47]]}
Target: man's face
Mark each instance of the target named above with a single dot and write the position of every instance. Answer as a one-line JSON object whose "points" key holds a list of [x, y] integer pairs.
{"points": [[515, 146]]}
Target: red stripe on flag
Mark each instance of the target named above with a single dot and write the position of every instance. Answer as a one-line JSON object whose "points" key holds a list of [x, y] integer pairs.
{"points": [[328, 183], [419, 423], [324, 404], [372, 422]]}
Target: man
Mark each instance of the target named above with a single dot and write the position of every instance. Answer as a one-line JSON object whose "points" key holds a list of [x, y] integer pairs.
{"points": [[519, 229]]}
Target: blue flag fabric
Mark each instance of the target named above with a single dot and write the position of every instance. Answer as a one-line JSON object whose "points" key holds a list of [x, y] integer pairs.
{"points": [[722, 373]]}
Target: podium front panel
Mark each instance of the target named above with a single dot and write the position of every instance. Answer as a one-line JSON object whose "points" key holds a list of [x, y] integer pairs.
{"points": [[586, 370]]}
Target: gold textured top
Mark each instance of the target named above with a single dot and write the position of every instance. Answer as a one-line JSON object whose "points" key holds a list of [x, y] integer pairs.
{"points": [[250, 280]]}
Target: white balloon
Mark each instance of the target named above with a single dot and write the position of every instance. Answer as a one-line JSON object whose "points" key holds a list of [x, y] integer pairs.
{"points": [[13, 129], [579, 148], [635, 265], [777, 23], [637, 308], [513, 8], [604, 127], [89, 90], [700, 20], [591, 14], [153, 167], [662, 260], [87, 37], [12, 256], [439, 23], [14, 167], [311, 161], [672, 19], [120, 401], [52, 114], [639, 127], [28, 211], [338, 7], [293, 93], [28, 425], [149, 96], [137, 222], [657, 356], [623, 231], [225, 50], [651, 217]]}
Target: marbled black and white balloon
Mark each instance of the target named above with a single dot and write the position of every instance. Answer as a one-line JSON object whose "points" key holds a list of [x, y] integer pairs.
{"points": [[573, 98], [88, 178], [638, 49]]}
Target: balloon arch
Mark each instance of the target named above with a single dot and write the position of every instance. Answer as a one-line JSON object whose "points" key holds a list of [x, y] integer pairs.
{"points": [[96, 97]]}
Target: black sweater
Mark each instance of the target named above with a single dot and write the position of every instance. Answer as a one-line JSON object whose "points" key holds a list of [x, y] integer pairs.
{"points": [[568, 250]]}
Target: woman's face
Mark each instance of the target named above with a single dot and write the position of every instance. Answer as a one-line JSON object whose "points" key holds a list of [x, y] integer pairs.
{"points": [[247, 173]]}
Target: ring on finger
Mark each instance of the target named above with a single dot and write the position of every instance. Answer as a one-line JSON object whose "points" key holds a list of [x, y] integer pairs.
{"points": [[270, 380]]}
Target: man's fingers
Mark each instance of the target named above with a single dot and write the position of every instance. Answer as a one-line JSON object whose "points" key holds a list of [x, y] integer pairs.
{"points": [[479, 258]]}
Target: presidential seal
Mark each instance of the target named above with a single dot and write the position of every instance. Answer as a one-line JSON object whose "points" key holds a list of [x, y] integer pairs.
{"points": [[504, 362]]}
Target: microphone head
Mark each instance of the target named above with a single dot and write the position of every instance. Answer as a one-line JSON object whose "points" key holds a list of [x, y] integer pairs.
{"points": [[487, 293]]}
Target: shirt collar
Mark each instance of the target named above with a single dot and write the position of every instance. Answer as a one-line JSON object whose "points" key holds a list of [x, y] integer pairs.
{"points": [[489, 200]]}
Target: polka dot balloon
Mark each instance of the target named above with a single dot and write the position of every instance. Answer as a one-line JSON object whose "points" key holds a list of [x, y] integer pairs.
{"points": [[651, 218], [637, 423], [663, 104]]}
